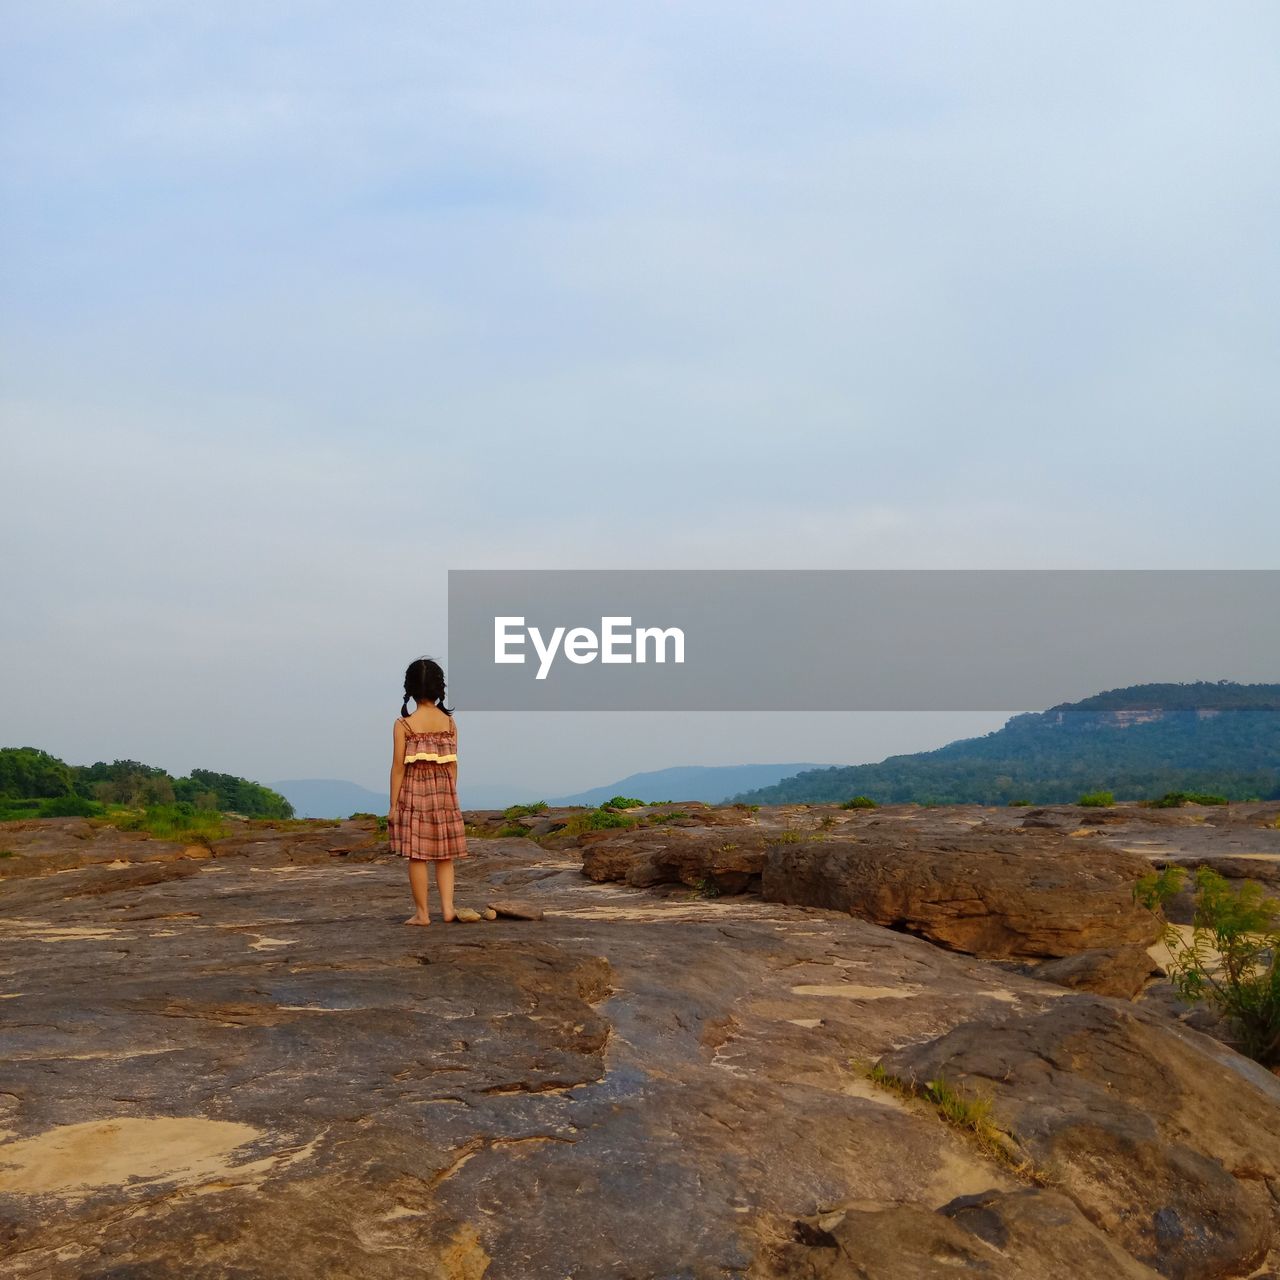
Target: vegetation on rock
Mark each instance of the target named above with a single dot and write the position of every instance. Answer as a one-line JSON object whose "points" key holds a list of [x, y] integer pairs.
{"points": [[970, 1113], [178, 821], [1232, 959], [602, 819], [525, 810], [1176, 799], [1097, 800]]}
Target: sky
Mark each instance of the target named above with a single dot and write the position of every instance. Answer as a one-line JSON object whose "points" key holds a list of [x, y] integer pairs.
{"points": [[302, 305]]}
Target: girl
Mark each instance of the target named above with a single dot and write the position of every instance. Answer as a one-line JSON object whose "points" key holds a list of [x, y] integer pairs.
{"points": [[424, 823]]}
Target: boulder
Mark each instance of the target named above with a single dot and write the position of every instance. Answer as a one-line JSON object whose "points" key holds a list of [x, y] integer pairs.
{"points": [[731, 860], [1122, 972], [1020, 893], [1170, 1156]]}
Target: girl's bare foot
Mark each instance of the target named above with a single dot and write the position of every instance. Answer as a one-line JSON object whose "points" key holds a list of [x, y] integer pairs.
{"points": [[417, 919], [449, 919]]}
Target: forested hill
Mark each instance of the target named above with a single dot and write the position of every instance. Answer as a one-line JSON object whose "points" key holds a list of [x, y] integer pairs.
{"points": [[34, 783], [1138, 742]]}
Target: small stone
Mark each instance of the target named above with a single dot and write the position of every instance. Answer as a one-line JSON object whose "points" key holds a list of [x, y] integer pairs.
{"points": [[516, 910], [489, 913], [468, 915]]}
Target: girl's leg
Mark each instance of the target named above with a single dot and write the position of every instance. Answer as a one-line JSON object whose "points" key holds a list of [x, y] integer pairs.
{"points": [[444, 882], [418, 885]]}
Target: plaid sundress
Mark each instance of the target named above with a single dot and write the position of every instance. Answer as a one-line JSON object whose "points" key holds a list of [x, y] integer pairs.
{"points": [[427, 823]]}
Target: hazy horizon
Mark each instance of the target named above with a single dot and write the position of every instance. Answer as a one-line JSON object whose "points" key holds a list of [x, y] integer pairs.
{"points": [[301, 311]]}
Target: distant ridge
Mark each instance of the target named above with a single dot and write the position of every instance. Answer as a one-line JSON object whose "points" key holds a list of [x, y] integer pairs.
{"points": [[1138, 742], [336, 798], [330, 797], [709, 783]]}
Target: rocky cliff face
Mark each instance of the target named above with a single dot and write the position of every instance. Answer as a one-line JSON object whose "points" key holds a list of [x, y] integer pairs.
{"points": [[236, 1061]]}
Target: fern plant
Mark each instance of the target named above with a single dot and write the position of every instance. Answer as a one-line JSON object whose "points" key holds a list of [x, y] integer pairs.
{"points": [[1232, 959]]}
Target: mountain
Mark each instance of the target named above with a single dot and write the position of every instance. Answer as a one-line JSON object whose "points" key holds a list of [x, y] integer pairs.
{"points": [[1137, 742], [330, 797], [710, 783]]}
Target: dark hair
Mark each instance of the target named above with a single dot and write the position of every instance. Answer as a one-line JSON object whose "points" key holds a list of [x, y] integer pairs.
{"points": [[424, 682]]}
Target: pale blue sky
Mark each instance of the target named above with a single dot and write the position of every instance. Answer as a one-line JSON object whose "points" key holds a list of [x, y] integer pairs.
{"points": [[303, 304]]}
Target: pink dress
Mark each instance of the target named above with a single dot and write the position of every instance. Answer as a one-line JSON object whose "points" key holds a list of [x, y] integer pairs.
{"points": [[426, 823]]}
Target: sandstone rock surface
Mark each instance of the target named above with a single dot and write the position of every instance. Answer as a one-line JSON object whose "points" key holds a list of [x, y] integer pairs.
{"points": [[244, 1064], [997, 1235], [1166, 1142]]}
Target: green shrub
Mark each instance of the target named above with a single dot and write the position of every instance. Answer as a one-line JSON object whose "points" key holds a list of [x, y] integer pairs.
{"points": [[7, 853], [72, 806], [1021, 804], [1176, 799], [1233, 958], [1096, 800], [623, 802], [512, 829], [181, 820], [658, 818], [788, 837], [14, 810], [525, 810], [860, 802], [597, 820]]}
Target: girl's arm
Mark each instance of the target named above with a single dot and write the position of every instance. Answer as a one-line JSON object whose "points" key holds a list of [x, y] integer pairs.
{"points": [[397, 762], [453, 764]]}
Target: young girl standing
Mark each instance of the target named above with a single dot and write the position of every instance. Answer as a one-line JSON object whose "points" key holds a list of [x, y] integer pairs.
{"points": [[424, 823]]}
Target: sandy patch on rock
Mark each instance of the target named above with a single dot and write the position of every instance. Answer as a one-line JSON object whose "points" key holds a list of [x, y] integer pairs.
{"points": [[43, 931], [1160, 952], [113, 1153], [851, 991]]}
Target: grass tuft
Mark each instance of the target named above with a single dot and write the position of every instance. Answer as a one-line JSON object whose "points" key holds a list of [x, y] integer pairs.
{"points": [[514, 811], [970, 1114]]}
